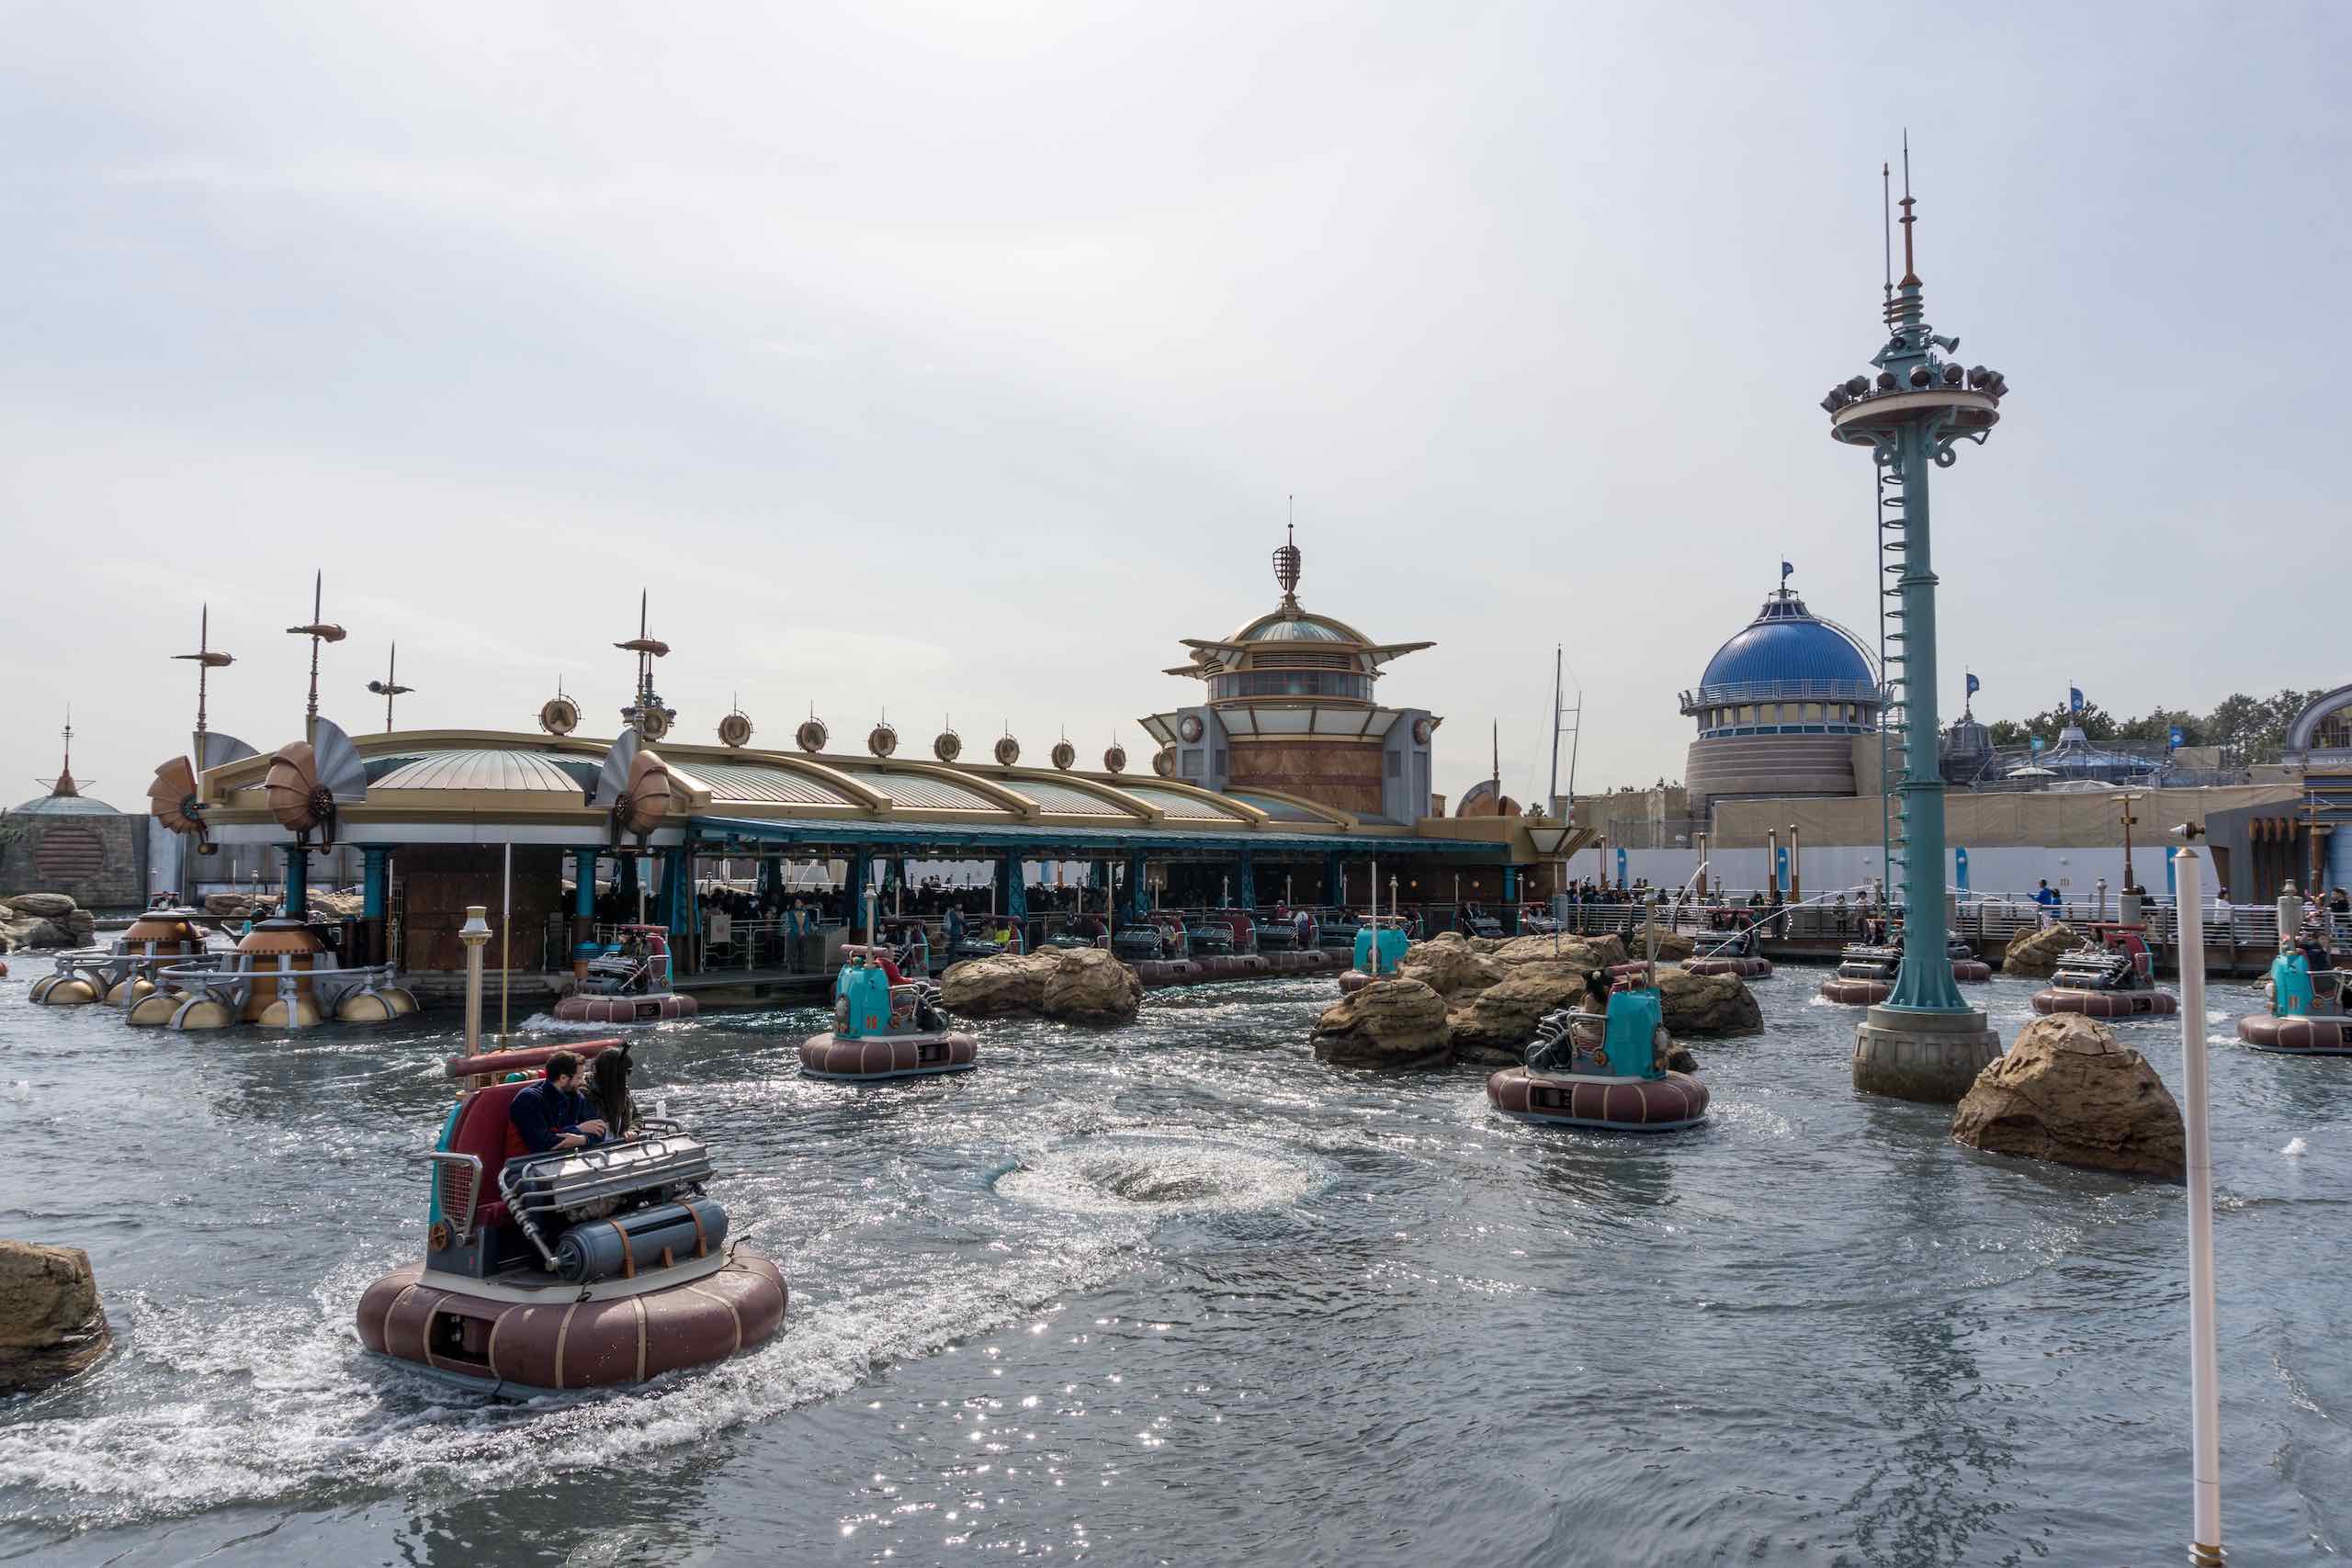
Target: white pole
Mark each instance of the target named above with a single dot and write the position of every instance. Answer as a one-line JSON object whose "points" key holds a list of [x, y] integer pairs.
{"points": [[2205, 1407], [1375, 917]]}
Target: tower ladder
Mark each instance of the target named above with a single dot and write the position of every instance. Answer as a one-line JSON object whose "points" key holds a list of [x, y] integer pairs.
{"points": [[1894, 714]]}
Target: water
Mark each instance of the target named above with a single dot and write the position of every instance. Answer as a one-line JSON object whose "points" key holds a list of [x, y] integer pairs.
{"points": [[1180, 1294]]}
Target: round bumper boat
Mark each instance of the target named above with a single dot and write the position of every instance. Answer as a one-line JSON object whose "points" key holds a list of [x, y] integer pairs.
{"points": [[1601, 1070], [2302, 1035], [2106, 1004], [662, 1007], [1746, 967], [627, 981], [885, 1026], [588, 1268]]}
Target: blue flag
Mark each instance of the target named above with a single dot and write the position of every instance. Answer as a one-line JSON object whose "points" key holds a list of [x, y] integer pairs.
{"points": [[1973, 686], [2176, 737], [1785, 569], [2075, 699]]}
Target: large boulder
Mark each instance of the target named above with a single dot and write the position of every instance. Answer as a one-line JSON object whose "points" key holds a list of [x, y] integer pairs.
{"points": [[1388, 1024], [1673, 946], [232, 906], [1088, 984], [32, 930], [48, 906], [991, 987], [1499, 1022], [50, 1324], [1708, 1004], [2034, 953], [1451, 969], [2070, 1092], [1585, 952]]}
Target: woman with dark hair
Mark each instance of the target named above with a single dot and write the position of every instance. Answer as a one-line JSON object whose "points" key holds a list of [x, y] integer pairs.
{"points": [[608, 1090]]}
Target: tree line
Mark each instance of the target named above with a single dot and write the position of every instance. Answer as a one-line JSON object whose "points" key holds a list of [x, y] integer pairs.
{"points": [[2252, 729]]}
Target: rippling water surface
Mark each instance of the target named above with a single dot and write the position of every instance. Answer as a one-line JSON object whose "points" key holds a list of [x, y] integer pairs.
{"points": [[1180, 1294]]}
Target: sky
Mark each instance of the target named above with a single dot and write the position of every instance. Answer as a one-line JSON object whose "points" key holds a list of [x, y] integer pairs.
{"points": [[954, 361]]}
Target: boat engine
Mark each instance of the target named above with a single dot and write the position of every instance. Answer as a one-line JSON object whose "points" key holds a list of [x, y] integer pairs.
{"points": [[643, 1238]]}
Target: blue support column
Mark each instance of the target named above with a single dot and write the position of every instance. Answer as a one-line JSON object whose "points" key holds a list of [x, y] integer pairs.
{"points": [[584, 908], [677, 897], [1333, 892], [1015, 903], [297, 883], [628, 884], [1138, 894], [854, 885], [375, 880], [1248, 887], [1923, 981]]}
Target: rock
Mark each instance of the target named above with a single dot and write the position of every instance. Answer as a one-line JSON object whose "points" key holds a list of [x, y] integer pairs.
{"points": [[1500, 1021], [991, 987], [48, 906], [1389, 1024], [81, 925], [1449, 968], [2034, 953], [1680, 1060], [1585, 952], [50, 1324], [1708, 1004], [1672, 946], [338, 906], [2069, 1092], [234, 906], [31, 930], [1089, 986]]}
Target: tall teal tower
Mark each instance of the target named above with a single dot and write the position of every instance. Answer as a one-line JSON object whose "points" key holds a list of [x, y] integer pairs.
{"points": [[1924, 1042]]}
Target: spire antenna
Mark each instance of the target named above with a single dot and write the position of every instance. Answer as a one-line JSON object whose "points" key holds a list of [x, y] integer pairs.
{"points": [[1910, 268], [320, 630], [389, 687], [1886, 234], [1287, 561]]}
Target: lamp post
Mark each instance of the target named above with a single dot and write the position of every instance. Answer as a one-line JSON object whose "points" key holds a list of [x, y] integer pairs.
{"points": [[2204, 1393], [2124, 802], [475, 934]]}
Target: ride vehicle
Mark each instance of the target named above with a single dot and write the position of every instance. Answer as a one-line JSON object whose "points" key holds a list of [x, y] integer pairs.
{"points": [[586, 1268], [1602, 1069], [628, 980], [2111, 974], [885, 1025]]}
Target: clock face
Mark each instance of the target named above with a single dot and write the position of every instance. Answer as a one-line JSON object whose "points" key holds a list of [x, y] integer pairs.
{"points": [[1189, 726]]}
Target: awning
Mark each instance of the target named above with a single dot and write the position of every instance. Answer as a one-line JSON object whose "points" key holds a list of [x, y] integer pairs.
{"points": [[1073, 842]]}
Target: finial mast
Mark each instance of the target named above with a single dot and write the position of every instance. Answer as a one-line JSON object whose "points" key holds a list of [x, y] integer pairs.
{"points": [[206, 658], [1287, 561], [388, 688], [63, 784], [320, 630], [1910, 267], [1887, 237], [646, 714]]}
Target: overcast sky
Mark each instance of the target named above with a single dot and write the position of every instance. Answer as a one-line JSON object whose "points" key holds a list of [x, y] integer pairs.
{"points": [[958, 359]]}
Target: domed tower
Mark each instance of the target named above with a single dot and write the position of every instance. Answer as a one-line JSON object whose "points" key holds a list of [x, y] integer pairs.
{"points": [[1778, 707], [1291, 708]]}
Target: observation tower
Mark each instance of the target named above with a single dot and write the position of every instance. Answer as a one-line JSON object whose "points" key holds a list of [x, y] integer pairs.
{"points": [[1923, 1042]]}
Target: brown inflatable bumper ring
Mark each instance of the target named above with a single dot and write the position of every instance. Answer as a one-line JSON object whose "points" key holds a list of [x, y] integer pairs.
{"points": [[1575, 1099]]}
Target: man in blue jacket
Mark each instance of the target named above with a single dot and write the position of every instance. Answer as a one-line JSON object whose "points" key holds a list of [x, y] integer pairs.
{"points": [[554, 1113]]}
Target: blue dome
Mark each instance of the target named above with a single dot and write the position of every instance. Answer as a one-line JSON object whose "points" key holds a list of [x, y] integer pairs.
{"points": [[1786, 642]]}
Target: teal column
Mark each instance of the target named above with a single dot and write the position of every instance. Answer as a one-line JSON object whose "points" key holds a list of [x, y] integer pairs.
{"points": [[1248, 883], [1924, 983], [583, 906], [1016, 894], [861, 872], [1138, 895], [375, 880], [1332, 891], [627, 885], [1510, 885], [297, 883], [677, 896]]}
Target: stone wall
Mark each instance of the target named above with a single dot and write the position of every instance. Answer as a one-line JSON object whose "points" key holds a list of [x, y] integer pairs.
{"points": [[100, 862], [1344, 774]]}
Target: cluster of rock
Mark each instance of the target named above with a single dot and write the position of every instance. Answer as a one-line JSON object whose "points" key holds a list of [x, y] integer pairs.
{"points": [[240, 906], [44, 920], [1079, 984], [1484, 996], [2068, 1091], [50, 1324], [2034, 953]]}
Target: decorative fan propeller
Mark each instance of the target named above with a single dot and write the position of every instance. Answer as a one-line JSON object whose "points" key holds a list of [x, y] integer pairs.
{"points": [[735, 729], [1163, 762], [1008, 751], [811, 735], [948, 746], [559, 716], [1064, 755], [882, 739], [1115, 760], [171, 800], [635, 784], [308, 780], [215, 749]]}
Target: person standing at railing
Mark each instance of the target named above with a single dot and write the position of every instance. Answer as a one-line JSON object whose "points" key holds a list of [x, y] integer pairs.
{"points": [[2047, 898]]}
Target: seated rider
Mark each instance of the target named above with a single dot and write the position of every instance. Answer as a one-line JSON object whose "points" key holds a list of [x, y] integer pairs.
{"points": [[608, 1093], [553, 1114]]}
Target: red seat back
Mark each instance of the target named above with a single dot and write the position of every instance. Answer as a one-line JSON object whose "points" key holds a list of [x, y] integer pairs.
{"points": [[485, 1132]]}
